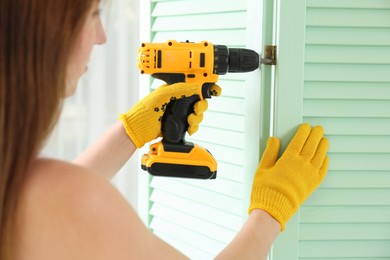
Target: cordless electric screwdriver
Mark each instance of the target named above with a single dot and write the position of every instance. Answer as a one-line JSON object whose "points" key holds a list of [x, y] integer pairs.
{"points": [[175, 62]]}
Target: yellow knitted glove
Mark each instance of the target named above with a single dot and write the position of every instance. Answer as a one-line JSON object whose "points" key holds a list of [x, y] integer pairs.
{"points": [[281, 186], [143, 121]]}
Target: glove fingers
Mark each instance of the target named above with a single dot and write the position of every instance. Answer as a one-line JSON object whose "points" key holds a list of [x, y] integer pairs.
{"points": [[320, 154], [193, 122], [299, 140], [200, 107], [215, 90], [310, 147], [271, 153], [192, 129], [324, 167]]}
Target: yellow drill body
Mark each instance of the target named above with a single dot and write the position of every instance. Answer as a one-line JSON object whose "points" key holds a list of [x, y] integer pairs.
{"points": [[189, 62], [194, 60]]}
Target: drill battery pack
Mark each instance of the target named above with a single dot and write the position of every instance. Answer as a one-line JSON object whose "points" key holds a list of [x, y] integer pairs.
{"points": [[186, 161]]}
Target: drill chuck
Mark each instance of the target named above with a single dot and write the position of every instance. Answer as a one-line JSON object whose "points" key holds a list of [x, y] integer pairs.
{"points": [[234, 60]]}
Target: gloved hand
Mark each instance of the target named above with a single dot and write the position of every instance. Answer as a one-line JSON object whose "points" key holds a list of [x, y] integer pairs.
{"points": [[143, 121], [281, 186]]}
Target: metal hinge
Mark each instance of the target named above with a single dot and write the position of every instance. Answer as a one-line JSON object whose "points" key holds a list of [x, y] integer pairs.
{"points": [[269, 55]]}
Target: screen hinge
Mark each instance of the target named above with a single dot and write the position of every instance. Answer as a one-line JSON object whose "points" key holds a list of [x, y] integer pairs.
{"points": [[269, 55]]}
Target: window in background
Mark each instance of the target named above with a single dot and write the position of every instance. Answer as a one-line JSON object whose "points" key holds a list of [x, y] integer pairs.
{"points": [[108, 88]]}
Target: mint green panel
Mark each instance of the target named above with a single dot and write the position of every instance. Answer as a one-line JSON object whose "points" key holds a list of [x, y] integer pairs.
{"points": [[200, 217], [340, 80]]}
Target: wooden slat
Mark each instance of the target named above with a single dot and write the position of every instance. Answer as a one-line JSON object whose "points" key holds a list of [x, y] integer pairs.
{"points": [[347, 90], [348, 36], [347, 54], [189, 192], [359, 162], [357, 179], [347, 108], [219, 185], [224, 121], [350, 72], [219, 136], [230, 171], [234, 20], [196, 7], [345, 249], [228, 105], [355, 4], [209, 245], [197, 209], [352, 126], [331, 17], [355, 197], [192, 223], [343, 231], [225, 154], [359, 144], [345, 214]]}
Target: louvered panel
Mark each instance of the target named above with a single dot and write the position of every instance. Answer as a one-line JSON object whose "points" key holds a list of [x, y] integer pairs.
{"points": [[352, 126], [347, 108], [193, 7], [228, 105], [200, 217], [214, 119], [207, 244], [345, 214], [347, 36], [359, 144], [191, 192], [197, 208], [226, 154], [347, 90], [353, 197], [346, 249], [332, 17], [351, 72], [359, 162], [193, 224], [357, 179], [230, 171], [345, 231], [219, 136], [356, 4], [217, 21], [221, 185], [232, 88], [347, 54]]}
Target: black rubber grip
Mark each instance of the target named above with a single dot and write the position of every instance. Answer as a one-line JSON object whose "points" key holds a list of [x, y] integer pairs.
{"points": [[174, 122]]}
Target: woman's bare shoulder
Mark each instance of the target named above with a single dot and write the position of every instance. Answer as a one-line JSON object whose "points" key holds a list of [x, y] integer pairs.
{"points": [[68, 212]]}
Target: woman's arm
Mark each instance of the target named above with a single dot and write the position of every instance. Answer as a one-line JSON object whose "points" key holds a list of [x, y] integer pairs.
{"points": [[109, 153], [254, 239]]}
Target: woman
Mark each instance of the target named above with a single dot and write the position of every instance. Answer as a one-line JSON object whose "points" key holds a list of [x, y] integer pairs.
{"points": [[52, 209]]}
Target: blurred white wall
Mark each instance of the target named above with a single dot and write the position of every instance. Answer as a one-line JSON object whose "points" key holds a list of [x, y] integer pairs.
{"points": [[108, 88]]}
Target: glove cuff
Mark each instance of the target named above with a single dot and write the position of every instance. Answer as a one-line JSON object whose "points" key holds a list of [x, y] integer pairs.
{"points": [[136, 126], [274, 202]]}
